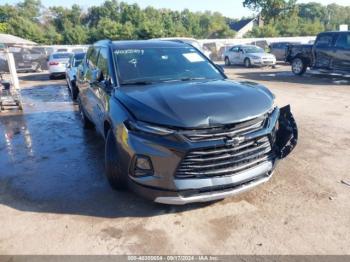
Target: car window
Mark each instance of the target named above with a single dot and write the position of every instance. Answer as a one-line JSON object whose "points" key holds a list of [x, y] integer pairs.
{"points": [[324, 41], [163, 64], [343, 41], [253, 49], [102, 64], [92, 57], [61, 55], [78, 58], [234, 49]]}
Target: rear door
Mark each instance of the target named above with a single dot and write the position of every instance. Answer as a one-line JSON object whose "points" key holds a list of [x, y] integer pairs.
{"points": [[86, 79], [101, 89], [342, 52], [324, 51]]}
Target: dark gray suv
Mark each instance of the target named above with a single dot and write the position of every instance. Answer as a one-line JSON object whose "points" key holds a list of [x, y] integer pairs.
{"points": [[176, 129]]}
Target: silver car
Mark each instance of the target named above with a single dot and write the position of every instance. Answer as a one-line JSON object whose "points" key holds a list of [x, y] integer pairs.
{"points": [[248, 55], [71, 73], [57, 64]]}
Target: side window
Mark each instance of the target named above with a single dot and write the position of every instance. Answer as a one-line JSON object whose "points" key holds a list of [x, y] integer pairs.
{"points": [[92, 56], [102, 64], [343, 41], [324, 41], [234, 49]]}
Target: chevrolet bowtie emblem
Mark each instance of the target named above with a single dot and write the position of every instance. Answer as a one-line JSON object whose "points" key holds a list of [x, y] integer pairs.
{"points": [[235, 140]]}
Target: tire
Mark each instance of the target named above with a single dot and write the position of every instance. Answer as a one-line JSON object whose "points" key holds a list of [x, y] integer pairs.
{"points": [[247, 63], [87, 123], [298, 66], [74, 90], [116, 178], [227, 61]]}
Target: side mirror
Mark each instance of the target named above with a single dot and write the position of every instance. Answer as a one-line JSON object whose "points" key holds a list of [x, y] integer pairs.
{"points": [[96, 75], [220, 68]]}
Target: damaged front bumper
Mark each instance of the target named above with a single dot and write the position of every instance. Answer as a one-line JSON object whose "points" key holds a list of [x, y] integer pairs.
{"points": [[165, 185]]}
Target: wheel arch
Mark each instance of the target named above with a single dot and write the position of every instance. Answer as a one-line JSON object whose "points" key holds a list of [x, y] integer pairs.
{"points": [[107, 125]]}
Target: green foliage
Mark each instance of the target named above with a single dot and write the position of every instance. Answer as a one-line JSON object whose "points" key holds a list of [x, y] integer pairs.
{"points": [[119, 20], [271, 9], [112, 19], [3, 27], [298, 20]]}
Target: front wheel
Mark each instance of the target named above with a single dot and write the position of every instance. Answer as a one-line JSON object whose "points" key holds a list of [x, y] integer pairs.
{"points": [[73, 90], [115, 177], [227, 61], [298, 66], [247, 63]]}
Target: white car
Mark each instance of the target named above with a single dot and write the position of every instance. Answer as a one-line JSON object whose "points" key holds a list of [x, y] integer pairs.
{"points": [[57, 64], [248, 55]]}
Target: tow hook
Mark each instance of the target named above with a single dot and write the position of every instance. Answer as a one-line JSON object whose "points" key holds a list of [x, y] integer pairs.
{"points": [[287, 133]]}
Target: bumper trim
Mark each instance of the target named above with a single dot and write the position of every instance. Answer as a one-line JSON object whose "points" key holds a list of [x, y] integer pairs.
{"points": [[205, 197]]}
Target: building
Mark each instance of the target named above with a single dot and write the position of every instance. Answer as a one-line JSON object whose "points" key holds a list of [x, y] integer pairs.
{"points": [[244, 26], [6, 39]]}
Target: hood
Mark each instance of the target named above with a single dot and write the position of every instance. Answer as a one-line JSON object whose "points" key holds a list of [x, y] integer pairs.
{"points": [[261, 55], [196, 104]]}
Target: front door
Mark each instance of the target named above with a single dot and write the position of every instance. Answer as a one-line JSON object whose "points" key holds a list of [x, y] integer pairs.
{"points": [[342, 53], [323, 51]]}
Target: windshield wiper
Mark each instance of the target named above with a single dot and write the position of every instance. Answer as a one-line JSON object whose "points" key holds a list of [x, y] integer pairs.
{"points": [[193, 78], [138, 83]]}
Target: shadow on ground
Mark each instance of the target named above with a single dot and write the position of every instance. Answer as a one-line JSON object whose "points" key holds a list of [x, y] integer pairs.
{"points": [[49, 163], [276, 75]]}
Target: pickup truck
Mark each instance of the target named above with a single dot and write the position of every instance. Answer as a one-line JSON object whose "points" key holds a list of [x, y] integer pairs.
{"points": [[329, 54]]}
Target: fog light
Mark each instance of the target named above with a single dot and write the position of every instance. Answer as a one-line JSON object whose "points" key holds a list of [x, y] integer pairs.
{"points": [[143, 163]]}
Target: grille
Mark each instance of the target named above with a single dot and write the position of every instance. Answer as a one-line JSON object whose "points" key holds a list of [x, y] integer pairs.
{"points": [[225, 132], [226, 159]]}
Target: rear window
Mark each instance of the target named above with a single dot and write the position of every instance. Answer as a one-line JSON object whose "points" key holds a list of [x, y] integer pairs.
{"points": [[61, 55], [79, 56]]}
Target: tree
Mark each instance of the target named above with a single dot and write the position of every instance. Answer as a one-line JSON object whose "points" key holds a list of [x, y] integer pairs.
{"points": [[3, 27], [30, 9], [270, 9]]}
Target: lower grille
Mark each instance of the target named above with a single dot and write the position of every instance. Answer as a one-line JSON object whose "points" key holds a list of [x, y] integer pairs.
{"points": [[225, 160]]}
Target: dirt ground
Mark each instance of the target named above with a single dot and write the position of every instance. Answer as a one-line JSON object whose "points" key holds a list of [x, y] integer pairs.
{"points": [[54, 198]]}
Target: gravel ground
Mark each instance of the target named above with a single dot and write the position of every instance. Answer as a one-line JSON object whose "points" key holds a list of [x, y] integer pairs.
{"points": [[54, 198]]}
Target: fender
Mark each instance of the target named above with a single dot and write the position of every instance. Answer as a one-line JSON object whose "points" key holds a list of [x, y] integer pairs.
{"points": [[287, 134]]}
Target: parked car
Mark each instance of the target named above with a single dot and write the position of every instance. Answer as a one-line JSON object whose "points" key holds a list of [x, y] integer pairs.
{"points": [[27, 59], [71, 73], [329, 54], [248, 55], [279, 49], [176, 129], [57, 64], [193, 42]]}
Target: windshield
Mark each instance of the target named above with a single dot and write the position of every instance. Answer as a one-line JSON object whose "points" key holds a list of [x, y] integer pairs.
{"points": [[78, 58], [61, 55], [253, 49], [163, 64]]}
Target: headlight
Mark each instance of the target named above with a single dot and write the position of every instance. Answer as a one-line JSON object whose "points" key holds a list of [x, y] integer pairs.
{"points": [[255, 57], [147, 128]]}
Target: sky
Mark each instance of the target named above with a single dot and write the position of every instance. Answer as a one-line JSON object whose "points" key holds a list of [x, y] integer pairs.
{"points": [[229, 8]]}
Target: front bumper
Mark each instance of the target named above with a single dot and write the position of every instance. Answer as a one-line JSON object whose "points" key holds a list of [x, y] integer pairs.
{"points": [[215, 195], [166, 154], [263, 62]]}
